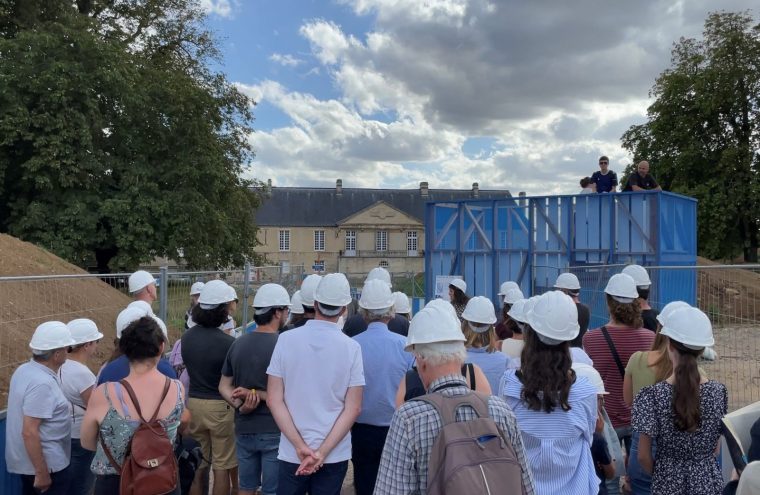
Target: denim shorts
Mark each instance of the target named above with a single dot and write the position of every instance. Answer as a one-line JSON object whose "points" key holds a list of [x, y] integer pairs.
{"points": [[257, 461]]}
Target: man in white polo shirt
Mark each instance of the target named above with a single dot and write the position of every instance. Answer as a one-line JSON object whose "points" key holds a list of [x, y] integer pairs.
{"points": [[316, 377]]}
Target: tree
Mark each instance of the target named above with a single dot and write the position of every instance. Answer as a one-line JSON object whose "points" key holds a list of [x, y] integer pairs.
{"points": [[703, 133], [118, 143]]}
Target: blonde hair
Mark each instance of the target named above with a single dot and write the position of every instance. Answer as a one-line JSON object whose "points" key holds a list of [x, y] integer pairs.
{"points": [[484, 339]]}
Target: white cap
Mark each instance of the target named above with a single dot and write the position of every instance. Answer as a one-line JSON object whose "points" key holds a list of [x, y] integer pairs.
{"points": [[583, 369], [139, 280], [83, 331], [505, 286], [517, 311], [51, 335], [689, 326], [436, 322], [271, 295], [376, 294], [555, 317], [308, 288], [622, 288], [639, 275], [567, 281], [669, 309], [295, 303], [513, 295], [459, 284], [133, 312], [401, 303], [480, 309], [196, 288], [216, 292], [379, 273], [333, 290]]}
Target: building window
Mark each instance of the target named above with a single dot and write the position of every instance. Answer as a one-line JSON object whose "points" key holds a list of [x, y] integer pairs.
{"points": [[284, 238], [384, 263], [381, 240], [319, 240], [411, 243], [350, 243]]}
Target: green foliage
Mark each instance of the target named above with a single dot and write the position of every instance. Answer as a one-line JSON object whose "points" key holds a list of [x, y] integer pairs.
{"points": [[117, 141], [703, 133]]}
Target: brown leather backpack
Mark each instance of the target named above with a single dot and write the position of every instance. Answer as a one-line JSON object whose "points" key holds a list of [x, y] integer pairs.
{"points": [[149, 467]]}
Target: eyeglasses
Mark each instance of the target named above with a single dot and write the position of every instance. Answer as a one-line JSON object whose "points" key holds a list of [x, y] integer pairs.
{"points": [[603, 163]]}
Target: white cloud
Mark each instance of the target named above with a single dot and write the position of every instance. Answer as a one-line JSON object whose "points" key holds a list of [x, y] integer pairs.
{"points": [[222, 8], [286, 60]]}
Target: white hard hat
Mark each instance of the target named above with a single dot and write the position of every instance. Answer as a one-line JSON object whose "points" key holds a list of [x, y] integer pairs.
{"points": [[133, 312], [376, 294], [513, 295], [271, 295], [480, 309], [83, 331], [214, 293], [583, 369], [505, 286], [567, 281], [555, 316], [51, 335], [232, 293], [517, 311], [459, 284], [689, 326], [669, 309], [436, 322], [401, 303], [379, 273], [308, 288], [333, 290], [622, 288], [639, 275], [196, 288], [295, 303], [139, 280]]}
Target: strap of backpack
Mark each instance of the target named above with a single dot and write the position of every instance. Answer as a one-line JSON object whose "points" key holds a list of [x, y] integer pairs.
{"points": [[471, 371], [615, 355], [131, 392], [447, 405]]}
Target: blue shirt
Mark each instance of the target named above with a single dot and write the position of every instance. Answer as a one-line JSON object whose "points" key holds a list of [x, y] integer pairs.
{"points": [[604, 182], [558, 444], [493, 365], [118, 369], [385, 364]]}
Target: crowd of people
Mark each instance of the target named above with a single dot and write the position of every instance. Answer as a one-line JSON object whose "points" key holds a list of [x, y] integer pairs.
{"points": [[452, 400], [605, 180]]}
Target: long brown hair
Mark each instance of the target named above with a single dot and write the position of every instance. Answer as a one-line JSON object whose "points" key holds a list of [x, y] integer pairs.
{"points": [[460, 298], [625, 313], [663, 368], [484, 339], [545, 373], [686, 388]]}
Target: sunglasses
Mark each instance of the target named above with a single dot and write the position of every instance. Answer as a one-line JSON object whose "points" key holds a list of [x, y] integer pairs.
{"points": [[603, 163]]}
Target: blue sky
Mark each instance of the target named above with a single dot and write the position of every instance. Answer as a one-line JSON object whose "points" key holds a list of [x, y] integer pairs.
{"points": [[386, 93]]}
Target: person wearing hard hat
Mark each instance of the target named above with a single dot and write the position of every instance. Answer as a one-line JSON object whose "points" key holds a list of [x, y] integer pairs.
{"points": [[458, 295], [244, 385], [316, 377], [143, 286], [195, 292], [612, 345], [478, 328], [296, 312], [204, 349], [556, 410], [682, 414], [38, 420], [402, 307], [513, 346], [506, 327], [357, 324], [308, 289], [570, 285], [385, 364], [640, 275], [77, 383], [436, 340]]}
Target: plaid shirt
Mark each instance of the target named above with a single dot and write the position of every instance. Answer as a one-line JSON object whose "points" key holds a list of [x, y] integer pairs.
{"points": [[413, 430]]}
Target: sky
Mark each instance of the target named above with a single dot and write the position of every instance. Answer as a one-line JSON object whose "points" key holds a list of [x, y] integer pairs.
{"points": [[511, 94]]}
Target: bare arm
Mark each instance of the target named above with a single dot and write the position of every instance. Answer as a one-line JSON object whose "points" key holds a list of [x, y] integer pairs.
{"points": [[401, 392], [96, 407], [227, 390], [637, 188], [609, 470], [30, 433], [628, 390], [481, 382], [645, 453]]}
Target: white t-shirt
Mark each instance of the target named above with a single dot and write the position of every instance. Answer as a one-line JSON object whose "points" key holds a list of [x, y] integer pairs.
{"points": [[75, 379], [317, 364], [512, 347]]}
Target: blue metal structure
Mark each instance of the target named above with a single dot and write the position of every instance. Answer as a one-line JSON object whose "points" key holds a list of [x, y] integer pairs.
{"points": [[530, 240]]}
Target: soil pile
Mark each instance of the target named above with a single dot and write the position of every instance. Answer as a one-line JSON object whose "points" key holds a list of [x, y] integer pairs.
{"points": [[729, 295]]}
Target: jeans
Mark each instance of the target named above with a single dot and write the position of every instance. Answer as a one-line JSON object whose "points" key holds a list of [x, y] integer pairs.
{"points": [[82, 479], [257, 461], [108, 484], [60, 486], [624, 434], [327, 481], [367, 442], [641, 482]]}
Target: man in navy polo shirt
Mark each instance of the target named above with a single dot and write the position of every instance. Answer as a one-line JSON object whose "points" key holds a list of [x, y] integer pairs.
{"points": [[605, 179]]}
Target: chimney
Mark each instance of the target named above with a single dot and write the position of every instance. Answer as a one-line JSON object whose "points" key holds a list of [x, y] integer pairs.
{"points": [[268, 188], [424, 189], [475, 190], [522, 201], [339, 187]]}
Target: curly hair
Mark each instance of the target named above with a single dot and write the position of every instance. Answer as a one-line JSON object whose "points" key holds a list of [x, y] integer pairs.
{"points": [[628, 314], [142, 339], [211, 318], [546, 374]]}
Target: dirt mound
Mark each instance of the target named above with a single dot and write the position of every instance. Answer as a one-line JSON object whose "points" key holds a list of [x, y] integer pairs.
{"points": [[728, 295], [24, 304]]}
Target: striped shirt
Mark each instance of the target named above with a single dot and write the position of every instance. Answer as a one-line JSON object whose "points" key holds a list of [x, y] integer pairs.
{"points": [[414, 428], [626, 341], [558, 444]]}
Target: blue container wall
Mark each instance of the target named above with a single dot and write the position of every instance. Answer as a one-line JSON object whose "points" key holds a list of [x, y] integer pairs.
{"points": [[10, 484]]}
